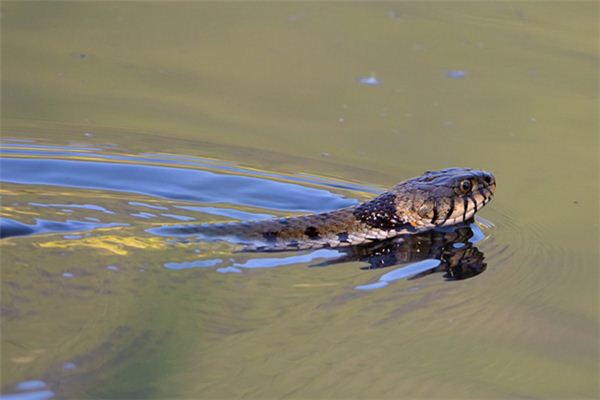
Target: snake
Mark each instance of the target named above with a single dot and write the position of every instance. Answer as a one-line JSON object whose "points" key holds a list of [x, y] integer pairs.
{"points": [[436, 199]]}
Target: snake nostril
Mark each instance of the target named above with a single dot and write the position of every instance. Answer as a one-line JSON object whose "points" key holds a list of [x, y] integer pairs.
{"points": [[488, 179]]}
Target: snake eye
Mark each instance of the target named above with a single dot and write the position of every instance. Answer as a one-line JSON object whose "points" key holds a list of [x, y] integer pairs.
{"points": [[465, 186]]}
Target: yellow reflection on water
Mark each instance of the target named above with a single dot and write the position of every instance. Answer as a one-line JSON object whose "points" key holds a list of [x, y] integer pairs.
{"points": [[114, 244]]}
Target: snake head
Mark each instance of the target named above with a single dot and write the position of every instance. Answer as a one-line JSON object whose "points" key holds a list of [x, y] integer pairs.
{"points": [[445, 197]]}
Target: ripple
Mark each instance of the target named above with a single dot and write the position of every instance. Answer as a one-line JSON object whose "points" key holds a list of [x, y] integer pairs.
{"points": [[178, 161], [214, 188], [172, 183], [144, 215], [525, 275], [140, 204], [10, 227], [179, 217], [228, 212], [82, 206]]}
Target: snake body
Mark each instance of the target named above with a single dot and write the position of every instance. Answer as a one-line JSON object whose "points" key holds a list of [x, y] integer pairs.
{"points": [[435, 199]]}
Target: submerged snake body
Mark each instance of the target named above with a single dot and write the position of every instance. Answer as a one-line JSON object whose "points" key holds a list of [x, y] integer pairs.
{"points": [[435, 199]]}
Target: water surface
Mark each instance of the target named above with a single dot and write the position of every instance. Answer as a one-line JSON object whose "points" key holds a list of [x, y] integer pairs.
{"points": [[120, 118]]}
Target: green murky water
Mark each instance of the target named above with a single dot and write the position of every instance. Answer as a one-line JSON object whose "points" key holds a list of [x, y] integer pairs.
{"points": [[260, 108]]}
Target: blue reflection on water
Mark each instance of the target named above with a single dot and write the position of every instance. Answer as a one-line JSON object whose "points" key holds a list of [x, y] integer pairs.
{"points": [[171, 183], [162, 176], [84, 206], [48, 151], [179, 217], [30, 390], [144, 215], [456, 74], [40, 395], [229, 270], [228, 212], [281, 261], [69, 365], [139, 204], [10, 227], [478, 235], [369, 80], [193, 264], [401, 273], [256, 263], [31, 385]]}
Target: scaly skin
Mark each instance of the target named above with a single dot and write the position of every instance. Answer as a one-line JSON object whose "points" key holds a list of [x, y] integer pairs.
{"points": [[435, 199]]}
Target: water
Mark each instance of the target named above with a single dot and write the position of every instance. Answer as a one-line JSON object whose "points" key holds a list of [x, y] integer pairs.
{"points": [[119, 119]]}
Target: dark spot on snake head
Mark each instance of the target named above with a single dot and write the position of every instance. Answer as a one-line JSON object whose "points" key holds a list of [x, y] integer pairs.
{"points": [[312, 233], [270, 237], [343, 237]]}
